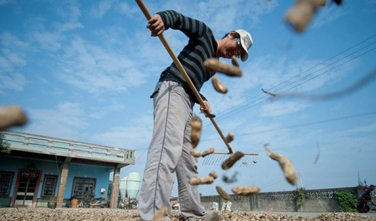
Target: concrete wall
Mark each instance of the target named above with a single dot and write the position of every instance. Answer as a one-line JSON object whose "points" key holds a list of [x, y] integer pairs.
{"points": [[321, 200]]}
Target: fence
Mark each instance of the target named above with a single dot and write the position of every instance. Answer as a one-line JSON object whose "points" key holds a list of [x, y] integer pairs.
{"points": [[321, 200]]}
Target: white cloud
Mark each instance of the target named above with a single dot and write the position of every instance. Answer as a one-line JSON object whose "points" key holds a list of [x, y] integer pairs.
{"points": [[98, 70], [16, 59], [100, 111], [11, 41], [4, 2], [279, 108], [69, 26], [136, 135], [128, 10], [328, 15], [212, 12], [49, 40], [68, 120], [15, 81], [5, 64], [70, 14], [103, 7]]}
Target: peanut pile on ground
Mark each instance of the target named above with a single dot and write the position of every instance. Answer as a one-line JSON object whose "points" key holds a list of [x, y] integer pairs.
{"points": [[79, 214]]}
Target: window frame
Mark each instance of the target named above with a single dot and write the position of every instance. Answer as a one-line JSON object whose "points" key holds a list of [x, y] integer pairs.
{"points": [[10, 181], [44, 185], [83, 183]]}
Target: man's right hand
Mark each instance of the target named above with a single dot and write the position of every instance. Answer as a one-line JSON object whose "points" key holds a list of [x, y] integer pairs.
{"points": [[156, 26]]}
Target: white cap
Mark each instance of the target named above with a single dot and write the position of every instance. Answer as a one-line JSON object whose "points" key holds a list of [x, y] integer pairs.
{"points": [[246, 42]]}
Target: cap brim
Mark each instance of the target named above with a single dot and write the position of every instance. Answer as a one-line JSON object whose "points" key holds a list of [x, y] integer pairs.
{"points": [[244, 55], [245, 41]]}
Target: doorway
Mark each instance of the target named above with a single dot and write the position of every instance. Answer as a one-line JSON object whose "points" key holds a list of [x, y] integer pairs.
{"points": [[26, 189]]}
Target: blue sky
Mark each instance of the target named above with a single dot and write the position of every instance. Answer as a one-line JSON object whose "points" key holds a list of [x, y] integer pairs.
{"points": [[84, 70]]}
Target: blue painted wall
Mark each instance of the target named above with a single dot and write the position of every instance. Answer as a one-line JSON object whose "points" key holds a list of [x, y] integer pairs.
{"points": [[88, 171], [101, 174]]}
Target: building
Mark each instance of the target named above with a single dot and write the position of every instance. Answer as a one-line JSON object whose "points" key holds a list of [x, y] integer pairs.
{"points": [[40, 170]]}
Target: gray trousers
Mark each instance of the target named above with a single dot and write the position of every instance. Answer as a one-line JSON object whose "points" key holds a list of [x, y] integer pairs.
{"points": [[169, 153]]}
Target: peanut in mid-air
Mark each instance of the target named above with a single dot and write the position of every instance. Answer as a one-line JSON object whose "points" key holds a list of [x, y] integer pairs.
{"points": [[201, 180], [230, 137], [286, 165], [235, 62], [245, 190], [213, 64], [300, 15], [207, 152], [218, 86], [223, 193], [229, 162], [196, 125], [161, 213], [11, 116], [213, 174], [195, 153]]}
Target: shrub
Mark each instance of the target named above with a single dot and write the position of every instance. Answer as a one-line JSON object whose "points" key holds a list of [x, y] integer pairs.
{"points": [[347, 201], [299, 196]]}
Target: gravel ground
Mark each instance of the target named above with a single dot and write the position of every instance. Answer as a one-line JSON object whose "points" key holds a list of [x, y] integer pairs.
{"points": [[46, 214]]}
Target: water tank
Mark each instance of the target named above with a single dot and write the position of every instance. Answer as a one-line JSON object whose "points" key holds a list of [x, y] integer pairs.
{"points": [[133, 185], [123, 187]]}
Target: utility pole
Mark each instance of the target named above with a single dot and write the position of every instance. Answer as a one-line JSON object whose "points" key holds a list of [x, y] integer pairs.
{"points": [[301, 180]]}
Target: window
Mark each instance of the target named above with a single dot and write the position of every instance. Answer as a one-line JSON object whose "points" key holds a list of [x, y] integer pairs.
{"points": [[83, 187], [49, 185], [6, 179]]}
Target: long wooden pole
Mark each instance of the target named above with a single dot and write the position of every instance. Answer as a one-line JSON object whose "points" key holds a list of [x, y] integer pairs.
{"points": [[148, 16]]}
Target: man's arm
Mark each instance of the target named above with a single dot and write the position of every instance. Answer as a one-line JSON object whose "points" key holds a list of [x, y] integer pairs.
{"points": [[192, 28]]}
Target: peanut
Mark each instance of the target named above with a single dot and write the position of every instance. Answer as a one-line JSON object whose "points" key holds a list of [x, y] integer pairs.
{"points": [[213, 64], [230, 137], [235, 62], [207, 152], [196, 125], [218, 86], [286, 165], [160, 215], [195, 153], [201, 180], [223, 193], [245, 190], [11, 116], [227, 164], [300, 15], [213, 174]]}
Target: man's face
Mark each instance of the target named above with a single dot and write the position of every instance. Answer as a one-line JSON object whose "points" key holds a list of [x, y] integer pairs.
{"points": [[232, 47]]}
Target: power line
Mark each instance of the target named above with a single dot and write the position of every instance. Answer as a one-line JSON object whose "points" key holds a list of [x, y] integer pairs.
{"points": [[145, 149], [330, 63], [305, 124], [263, 99], [367, 80], [229, 112]]}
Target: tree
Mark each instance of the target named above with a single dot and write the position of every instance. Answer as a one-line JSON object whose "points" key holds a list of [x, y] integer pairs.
{"points": [[4, 145]]}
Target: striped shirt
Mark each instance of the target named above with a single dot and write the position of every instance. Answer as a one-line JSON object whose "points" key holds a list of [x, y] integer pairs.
{"points": [[201, 46]]}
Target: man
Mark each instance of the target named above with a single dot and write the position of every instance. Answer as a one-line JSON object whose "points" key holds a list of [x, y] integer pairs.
{"points": [[169, 150]]}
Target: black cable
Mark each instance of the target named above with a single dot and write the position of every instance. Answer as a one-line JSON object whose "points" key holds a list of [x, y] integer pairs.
{"points": [[230, 112], [303, 125], [145, 149]]}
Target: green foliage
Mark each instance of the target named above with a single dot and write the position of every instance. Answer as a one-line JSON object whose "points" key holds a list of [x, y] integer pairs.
{"points": [[299, 196], [4, 146], [347, 201]]}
